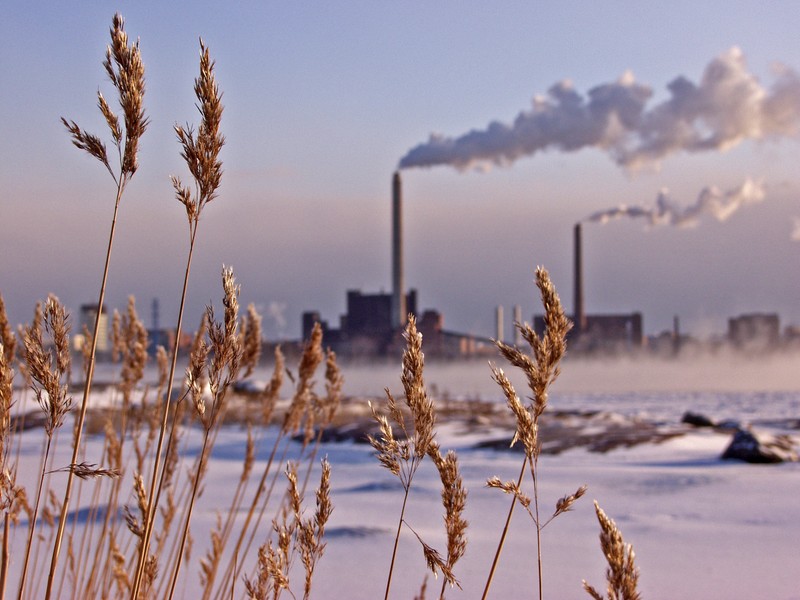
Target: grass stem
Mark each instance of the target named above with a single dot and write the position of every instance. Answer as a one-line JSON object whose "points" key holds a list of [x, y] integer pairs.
{"points": [[503, 535]]}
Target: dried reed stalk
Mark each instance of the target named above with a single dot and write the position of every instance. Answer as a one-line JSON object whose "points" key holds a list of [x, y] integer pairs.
{"points": [[222, 372], [201, 154], [622, 574], [9, 491], [312, 530], [7, 348], [125, 69], [129, 346], [294, 535], [454, 500], [251, 340], [267, 399], [49, 368], [402, 457], [541, 369], [323, 409], [293, 419]]}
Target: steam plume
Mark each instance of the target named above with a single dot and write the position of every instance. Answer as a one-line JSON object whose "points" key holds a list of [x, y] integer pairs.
{"points": [[711, 201], [796, 229], [727, 106]]}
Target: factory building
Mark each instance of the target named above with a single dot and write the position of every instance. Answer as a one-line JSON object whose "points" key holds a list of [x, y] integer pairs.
{"points": [[755, 331], [87, 316], [366, 329]]}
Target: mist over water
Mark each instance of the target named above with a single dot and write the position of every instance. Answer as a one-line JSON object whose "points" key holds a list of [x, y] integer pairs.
{"points": [[744, 389], [722, 373], [724, 386]]}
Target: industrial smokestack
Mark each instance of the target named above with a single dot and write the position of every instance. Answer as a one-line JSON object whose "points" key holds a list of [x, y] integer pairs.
{"points": [[399, 314], [517, 321], [500, 334], [579, 315]]}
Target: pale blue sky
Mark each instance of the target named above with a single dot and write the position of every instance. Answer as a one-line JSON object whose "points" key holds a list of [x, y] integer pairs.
{"points": [[322, 100]]}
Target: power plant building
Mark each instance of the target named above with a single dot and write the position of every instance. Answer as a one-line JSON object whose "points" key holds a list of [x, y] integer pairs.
{"points": [[755, 331], [366, 329]]}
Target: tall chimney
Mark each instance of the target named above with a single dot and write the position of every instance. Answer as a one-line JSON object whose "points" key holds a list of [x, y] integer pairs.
{"points": [[579, 315], [500, 334], [398, 285]]}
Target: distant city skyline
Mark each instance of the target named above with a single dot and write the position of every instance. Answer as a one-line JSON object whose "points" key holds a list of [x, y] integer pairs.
{"points": [[551, 114]]}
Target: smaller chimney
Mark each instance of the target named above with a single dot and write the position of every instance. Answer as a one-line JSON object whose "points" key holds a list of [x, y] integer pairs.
{"points": [[399, 314], [676, 334], [517, 320], [579, 316], [499, 323]]}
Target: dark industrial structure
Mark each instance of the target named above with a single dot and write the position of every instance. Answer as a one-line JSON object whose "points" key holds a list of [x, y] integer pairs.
{"points": [[399, 305], [367, 328], [755, 331], [597, 332], [374, 323]]}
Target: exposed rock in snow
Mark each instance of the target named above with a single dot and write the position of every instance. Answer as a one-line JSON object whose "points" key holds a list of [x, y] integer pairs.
{"points": [[696, 419], [760, 448]]}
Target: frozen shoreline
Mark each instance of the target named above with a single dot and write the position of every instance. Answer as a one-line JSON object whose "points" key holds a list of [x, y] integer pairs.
{"points": [[701, 527]]}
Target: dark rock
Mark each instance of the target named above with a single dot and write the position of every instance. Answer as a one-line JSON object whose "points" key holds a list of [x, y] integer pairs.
{"points": [[499, 444], [729, 425], [760, 449], [355, 432], [696, 419], [31, 420]]}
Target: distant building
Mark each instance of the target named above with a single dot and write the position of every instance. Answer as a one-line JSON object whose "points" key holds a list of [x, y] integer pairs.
{"points": [[601, 333], [88, 314], [755, 331], [160, 337], [366, 330]]}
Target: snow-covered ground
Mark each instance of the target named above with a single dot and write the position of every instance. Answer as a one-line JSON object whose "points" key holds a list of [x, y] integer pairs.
{"points": [[701, 527]]}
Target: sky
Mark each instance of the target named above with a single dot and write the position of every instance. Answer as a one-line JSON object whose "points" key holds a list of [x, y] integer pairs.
{"points": [[669, 129]]}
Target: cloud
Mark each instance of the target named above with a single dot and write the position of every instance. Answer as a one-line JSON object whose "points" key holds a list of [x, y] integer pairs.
{"points": [[727, 106]]}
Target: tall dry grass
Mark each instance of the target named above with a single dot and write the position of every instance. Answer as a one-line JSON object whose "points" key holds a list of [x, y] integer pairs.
{"points": [[200, 151], [143, 432], [403, 456], [541, 369], [125, 69], [132, 536]]}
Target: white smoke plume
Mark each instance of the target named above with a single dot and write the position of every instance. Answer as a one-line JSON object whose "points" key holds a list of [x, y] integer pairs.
{"points": [[796, 229], [727, 106], [277, 314], [711, 201]]}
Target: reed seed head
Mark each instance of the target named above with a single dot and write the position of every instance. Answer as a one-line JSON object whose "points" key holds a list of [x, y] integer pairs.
{"points": [[454, 500], [622, 575], [565, 504], [269, 396], [49, 366], [201, 151], [413, 383], [251, 340], [125, 69]]}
